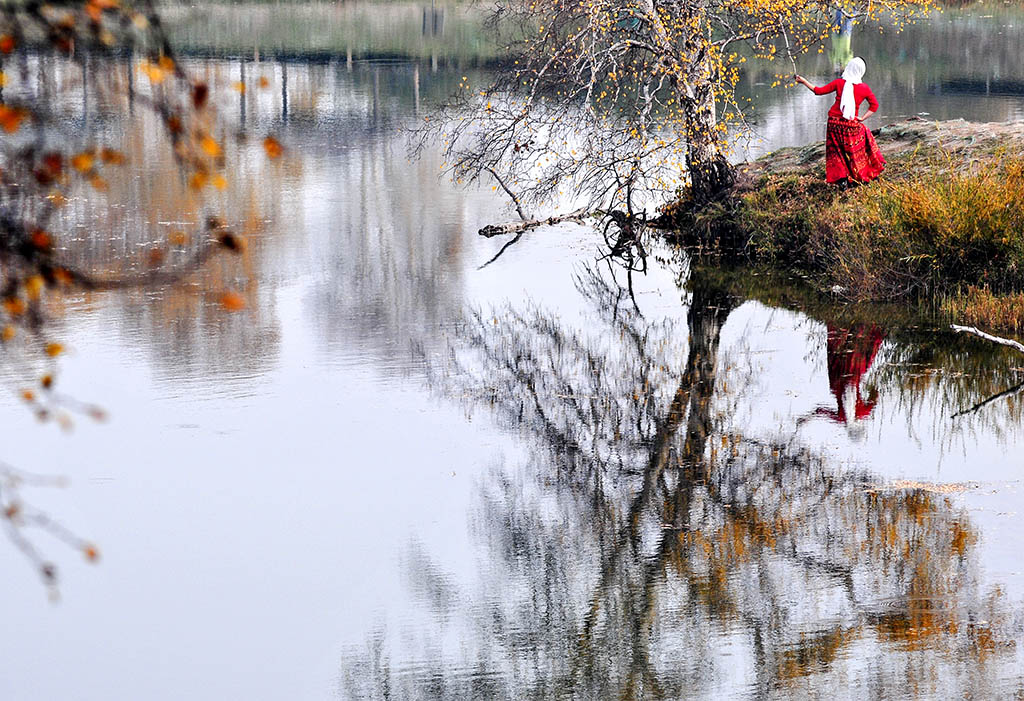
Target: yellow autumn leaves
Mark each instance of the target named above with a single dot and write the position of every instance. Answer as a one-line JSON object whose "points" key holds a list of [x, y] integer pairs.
{"points": [[157, 71]]}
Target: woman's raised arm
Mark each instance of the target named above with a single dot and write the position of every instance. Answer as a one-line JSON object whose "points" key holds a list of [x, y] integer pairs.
{"points": [[824, 90]]}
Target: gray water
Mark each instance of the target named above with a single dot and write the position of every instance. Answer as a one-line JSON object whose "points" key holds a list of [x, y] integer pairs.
{"points": [[395, 475]]}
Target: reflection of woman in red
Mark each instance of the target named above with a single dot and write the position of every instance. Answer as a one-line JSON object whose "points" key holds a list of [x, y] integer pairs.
{"points": [[849, 354]]}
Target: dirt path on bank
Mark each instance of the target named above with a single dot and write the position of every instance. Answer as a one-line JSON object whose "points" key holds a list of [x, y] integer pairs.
{"points": [[966, 142]]}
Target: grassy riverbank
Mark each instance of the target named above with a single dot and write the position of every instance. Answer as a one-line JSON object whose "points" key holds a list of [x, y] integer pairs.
{"points": [[944, 224]]}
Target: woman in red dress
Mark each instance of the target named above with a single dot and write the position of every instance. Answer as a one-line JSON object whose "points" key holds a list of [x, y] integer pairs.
{"points": [[851, 153]]}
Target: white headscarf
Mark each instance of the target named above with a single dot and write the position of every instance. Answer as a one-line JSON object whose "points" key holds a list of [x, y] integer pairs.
{"points": [[852, 75]]}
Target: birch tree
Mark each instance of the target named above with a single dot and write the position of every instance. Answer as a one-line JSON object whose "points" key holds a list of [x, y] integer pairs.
{"points": [[621, 104]]}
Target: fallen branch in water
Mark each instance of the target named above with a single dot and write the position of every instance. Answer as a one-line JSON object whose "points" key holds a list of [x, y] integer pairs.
{"points": [[519, 227], [988, 337], [1001, 341]]}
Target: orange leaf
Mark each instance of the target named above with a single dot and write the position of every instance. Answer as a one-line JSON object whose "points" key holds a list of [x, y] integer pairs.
{"points": [[98, 182], [34, 286], [28, 395], [239, 86], [91, 553], [156, 74], [273, 147], [64, 421], [219, 182], [232, 301], [178, 238], [264, 83], [15, 306], [83, 162], [198, 181], [54, 163], [6, 43], [11, 118], [41, 240], [199, 94], [210, 147], [8, 333], [46, 381], [109, 155], [54, 349]]}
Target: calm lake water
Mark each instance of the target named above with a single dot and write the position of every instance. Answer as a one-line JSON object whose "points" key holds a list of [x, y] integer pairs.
{"points": [[396, 475]]}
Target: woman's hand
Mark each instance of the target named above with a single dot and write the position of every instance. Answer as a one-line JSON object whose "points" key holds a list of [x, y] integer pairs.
{"points": [[803, 81]]}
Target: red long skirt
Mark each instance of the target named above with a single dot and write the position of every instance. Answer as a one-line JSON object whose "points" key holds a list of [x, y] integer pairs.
{"points": [[851, 152]]}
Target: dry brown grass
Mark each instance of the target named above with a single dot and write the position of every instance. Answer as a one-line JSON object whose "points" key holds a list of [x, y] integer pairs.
{"points": [[934, 224], [980, 307]]}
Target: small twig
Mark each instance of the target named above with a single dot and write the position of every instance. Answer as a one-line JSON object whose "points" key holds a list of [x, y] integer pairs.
{"points": [[632, 296], [154, 277], [988, 337], [515, 200], [789, 51]]}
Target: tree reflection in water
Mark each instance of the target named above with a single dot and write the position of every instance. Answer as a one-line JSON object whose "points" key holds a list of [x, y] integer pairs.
{"points": [[645, 553]]}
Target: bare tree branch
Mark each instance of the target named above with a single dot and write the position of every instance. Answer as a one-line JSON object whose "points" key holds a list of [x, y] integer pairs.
{"points": [[515, 200], [988, 337]]}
